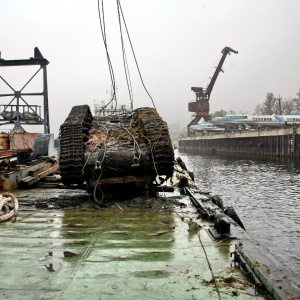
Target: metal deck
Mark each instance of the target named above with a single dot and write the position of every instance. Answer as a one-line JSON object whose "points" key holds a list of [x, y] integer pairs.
{"points": [[137, 252]]}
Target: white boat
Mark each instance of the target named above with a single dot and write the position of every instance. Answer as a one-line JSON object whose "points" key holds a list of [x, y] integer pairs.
{"points": [[206, 127]]}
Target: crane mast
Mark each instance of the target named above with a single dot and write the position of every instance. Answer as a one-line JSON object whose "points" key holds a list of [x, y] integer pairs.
{"points": [[201, 106]]}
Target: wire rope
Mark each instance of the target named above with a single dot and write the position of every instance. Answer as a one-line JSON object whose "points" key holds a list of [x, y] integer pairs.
{"points": [[134, 142], [100, 202], [209, 265], [119, 4], [111, 71], [126, 69]]}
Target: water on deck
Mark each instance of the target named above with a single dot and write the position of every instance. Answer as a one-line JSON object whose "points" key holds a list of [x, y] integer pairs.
{"points": [[138, 252]]}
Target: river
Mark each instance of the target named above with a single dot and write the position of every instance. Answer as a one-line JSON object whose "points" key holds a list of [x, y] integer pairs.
{"points": [[265, 195]]}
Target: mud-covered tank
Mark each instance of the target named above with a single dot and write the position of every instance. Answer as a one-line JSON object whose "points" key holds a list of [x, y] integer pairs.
{"points": [[119, 153]]}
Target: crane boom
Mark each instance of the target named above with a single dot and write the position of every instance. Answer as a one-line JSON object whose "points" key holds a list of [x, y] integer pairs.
{"points": [[201, 106], [225, 51]]}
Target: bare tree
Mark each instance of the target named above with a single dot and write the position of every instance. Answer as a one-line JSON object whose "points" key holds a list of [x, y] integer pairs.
{"points": [[219, 113], [269, 106], [297, 103], [258, 109], [288, 106]]}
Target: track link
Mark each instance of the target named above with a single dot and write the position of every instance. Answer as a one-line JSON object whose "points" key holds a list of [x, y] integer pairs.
{"points": [[156, 133], [73, 135]]}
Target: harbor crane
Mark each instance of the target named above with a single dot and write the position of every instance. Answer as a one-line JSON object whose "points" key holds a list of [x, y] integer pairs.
{"points": [[201, 106]]}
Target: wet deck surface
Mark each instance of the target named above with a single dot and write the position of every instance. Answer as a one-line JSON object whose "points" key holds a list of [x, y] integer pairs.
{"points": [[140, 252]]}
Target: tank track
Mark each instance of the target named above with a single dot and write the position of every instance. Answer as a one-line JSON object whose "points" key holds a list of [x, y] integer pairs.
{"points": [[73, 135], [156, 133]]}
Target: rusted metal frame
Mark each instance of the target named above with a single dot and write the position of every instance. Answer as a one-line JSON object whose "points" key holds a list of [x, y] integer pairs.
{"points": [[27, 62], [23, 62], [19, 94], [21, 105], [30, 79], [46, 120], [30, 106], [6, 95], [9, 104], [7, 84], [31, 94]]}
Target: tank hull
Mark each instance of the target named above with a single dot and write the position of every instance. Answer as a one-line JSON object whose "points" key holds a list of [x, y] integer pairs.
{"points": [[131, 150]]}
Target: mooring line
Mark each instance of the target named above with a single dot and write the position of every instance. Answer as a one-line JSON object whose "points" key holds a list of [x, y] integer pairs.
{"points": [[210, 267]]}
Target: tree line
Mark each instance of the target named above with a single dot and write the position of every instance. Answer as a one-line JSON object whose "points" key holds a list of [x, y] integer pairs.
{"points": [[271, 106]]}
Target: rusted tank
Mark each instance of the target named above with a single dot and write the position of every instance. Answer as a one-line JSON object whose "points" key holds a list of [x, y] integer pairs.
{"points": [[123, 153]]}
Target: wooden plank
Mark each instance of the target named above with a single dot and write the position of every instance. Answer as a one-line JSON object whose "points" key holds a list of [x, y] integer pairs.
{"points": [[29, 180], [41, 169]]}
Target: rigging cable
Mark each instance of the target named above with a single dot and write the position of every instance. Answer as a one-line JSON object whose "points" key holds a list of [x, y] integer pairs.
{"points": [[135, 144], [104, 154], [126, 68], [120, 7], [111, 71], [100, 202]]}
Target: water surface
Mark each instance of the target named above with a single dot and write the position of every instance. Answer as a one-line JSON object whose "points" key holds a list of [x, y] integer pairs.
{"points": [[265, 195]]}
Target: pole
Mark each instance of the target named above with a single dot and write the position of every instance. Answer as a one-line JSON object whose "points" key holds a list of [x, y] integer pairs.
{"points": [[279, 104]]}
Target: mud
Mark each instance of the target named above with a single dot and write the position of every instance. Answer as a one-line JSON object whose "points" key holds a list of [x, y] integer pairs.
{"points": [[51, 198]]}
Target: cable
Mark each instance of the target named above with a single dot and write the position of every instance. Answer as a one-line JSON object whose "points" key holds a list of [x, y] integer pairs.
{"points": [[105, 148], [126, 68], [112, 76], [82, 171], [100, 202], [134, 142], [210, 267], [119, 5]]}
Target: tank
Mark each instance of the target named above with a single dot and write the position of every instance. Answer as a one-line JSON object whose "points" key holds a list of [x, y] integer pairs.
{"points": [[119, 154]]}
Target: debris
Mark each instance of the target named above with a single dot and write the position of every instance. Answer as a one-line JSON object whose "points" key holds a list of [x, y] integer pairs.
{"points": [[8, 206]]}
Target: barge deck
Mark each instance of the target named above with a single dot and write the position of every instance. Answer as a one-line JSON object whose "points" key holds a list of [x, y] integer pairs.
{"points": [[143, 247]]}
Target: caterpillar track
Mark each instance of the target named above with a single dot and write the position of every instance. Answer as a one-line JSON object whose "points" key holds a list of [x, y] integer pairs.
{"points": [[120, 150], [156, 133], [73, 135]]}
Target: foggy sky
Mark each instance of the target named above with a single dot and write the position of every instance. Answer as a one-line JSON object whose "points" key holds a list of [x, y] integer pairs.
{"points": [[177, 43]]}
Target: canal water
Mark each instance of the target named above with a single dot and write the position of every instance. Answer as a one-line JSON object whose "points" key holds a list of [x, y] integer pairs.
{"points": [[265, 194]]}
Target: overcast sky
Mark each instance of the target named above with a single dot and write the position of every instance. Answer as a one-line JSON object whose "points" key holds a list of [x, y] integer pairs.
{"points": [[177, 44]]}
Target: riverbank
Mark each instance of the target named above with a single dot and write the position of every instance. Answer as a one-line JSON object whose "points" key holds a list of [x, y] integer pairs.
{"points": [[281, 142]]}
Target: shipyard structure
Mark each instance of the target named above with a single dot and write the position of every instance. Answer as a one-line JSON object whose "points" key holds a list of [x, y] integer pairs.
{"points": [[280, 142], [274, 136]]}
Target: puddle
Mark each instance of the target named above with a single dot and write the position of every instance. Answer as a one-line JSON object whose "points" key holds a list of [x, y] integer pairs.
{"points": [[55, 266], [61, 254]]}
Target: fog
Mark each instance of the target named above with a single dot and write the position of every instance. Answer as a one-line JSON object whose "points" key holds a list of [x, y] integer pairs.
{"points": [[177, 44]]}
